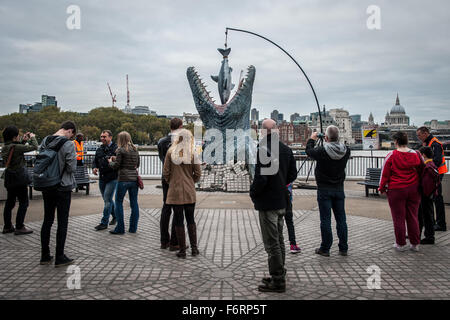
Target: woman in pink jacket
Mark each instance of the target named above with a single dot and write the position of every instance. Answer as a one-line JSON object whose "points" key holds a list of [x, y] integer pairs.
{"points": [[400, 180]]}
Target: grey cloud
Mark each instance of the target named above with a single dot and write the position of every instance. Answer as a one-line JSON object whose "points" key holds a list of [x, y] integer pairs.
{"points": [[154, 42]]}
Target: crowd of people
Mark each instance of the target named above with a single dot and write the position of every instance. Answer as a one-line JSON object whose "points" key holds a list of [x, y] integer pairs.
{"points": [[411, 179]]}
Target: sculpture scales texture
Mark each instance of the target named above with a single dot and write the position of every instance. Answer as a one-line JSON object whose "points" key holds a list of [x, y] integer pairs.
{"points": [[233, 114]]}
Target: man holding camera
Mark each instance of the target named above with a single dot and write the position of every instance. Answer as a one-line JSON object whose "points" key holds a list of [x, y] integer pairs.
{"points": [[16, 177], [108, 177], [331, 160]]}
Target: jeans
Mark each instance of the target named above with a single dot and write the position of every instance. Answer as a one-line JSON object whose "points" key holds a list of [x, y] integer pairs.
{"points": [[59, 200], [107, 190], [404, 204], [166, 212], [440, 208], [288, 218], [271, 223], [21, 193], [327, 200], [122, 188]]}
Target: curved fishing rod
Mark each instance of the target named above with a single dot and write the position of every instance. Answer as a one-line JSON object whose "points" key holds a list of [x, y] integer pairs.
{"points": [[321, 135], [298, 65]]}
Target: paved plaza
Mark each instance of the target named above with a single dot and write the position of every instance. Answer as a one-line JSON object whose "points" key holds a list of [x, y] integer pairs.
{"points": [[232, 260]]}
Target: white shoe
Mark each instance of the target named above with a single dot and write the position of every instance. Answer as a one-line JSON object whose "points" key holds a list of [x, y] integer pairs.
{"points": [[414, 248], [400, 248]]}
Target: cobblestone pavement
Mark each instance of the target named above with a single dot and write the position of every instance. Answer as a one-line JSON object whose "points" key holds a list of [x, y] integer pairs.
{"points": [[230, 266]]}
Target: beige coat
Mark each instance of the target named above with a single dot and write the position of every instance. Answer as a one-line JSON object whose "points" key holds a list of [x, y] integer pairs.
{"points": [[181, 179]]}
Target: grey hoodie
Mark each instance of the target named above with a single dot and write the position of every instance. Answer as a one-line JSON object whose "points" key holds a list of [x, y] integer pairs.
{"points": [[335, 150], [67, 158]]}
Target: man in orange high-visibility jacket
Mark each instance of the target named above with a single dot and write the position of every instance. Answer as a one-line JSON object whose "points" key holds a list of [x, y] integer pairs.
{"points": [[79, 148], [428, 140]]}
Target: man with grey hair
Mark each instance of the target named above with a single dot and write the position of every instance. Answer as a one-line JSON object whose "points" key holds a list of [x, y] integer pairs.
{"points": [[331, 160], [269, 195]]}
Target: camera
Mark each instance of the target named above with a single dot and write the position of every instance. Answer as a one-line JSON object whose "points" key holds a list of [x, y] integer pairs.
{"points": [[320, 135]]}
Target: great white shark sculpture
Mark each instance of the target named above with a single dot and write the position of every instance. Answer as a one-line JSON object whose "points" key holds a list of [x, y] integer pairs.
{"points": [[232, 113]]}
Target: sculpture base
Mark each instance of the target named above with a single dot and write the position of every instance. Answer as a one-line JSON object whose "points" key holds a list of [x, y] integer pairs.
{"points": [[225, 178]]}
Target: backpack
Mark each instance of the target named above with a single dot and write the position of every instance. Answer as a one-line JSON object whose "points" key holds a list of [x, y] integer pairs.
{"points": [[430, 181], [46, 174]]}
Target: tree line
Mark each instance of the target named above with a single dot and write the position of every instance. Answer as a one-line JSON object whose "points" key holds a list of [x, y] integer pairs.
{"points": [[144, 129]]}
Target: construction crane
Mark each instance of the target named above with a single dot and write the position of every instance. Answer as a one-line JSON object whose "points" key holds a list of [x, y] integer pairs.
{"points": [[113, 98], [127, 107], [128, 94]]}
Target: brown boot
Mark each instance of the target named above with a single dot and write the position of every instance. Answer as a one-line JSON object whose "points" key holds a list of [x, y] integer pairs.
{"points": [[192, 232], [181, 236]]}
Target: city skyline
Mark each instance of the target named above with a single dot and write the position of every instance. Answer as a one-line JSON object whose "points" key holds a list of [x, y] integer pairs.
{"points": [[23, 108], [350, 66]]}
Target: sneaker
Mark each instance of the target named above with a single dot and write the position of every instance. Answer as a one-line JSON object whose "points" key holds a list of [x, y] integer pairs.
{"points": [[295, 249], [343, 253], [101, 226], [427, 241], [8, 230], [322, 253], [46, 260], [414, 248], [23, 230], [63, 261], [113, 221], [400, 248]]}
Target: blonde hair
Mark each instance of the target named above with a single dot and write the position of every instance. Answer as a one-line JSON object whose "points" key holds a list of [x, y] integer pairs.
{"points": [[124, 141], [182, 149]]}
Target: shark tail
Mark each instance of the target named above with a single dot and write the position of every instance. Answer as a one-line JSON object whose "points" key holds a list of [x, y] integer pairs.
{"points": [[224, 52]]}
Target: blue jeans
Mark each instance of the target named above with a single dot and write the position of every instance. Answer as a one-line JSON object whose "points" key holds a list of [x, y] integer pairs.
{"points": [[122, 188], [107, 190], [327, 200]]}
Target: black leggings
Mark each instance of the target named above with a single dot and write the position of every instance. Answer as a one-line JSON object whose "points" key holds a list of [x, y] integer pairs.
{"points": [[188, 211]]}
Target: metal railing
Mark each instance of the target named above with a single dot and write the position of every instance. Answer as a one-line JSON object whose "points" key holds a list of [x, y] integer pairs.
{"points": [[151, 166], [356, 165]]}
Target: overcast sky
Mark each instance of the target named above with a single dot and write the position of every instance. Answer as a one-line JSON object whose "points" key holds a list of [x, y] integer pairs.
{"points": [[154, 42]]}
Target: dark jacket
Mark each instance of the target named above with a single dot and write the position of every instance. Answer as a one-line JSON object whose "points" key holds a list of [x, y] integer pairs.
{"points": [[331, 160], [126, 162], [430, 179], [17, 158], [164, 145], [102, 155], [268, 192], [437, 150]]}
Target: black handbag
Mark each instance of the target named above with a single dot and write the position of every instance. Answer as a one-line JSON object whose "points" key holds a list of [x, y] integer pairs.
{"points": [[15, 178]]}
